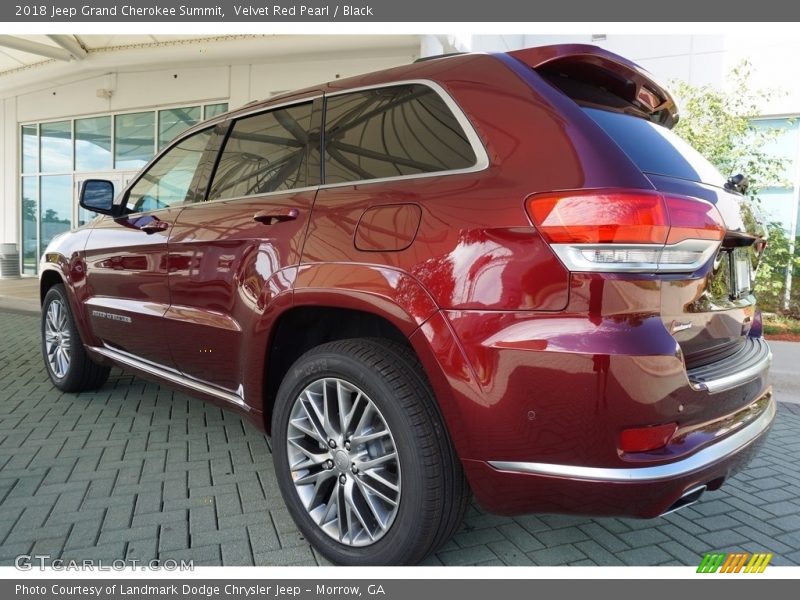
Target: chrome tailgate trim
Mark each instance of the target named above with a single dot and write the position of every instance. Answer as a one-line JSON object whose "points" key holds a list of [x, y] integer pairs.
{"points": [[747, 364]]}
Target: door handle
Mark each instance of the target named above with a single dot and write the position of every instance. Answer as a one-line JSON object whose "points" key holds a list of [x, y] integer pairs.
{"points": [[154, 226], [277, 215]]}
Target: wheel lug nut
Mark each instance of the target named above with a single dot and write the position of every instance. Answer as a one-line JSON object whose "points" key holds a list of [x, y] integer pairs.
{"points": [[354, 469], [347, 445], [331, 443], [328, 464], [342, 479]]}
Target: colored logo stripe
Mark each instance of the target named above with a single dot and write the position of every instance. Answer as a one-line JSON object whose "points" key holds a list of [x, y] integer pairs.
{"points": [[758, 563], [734, 562], [710, 563]]}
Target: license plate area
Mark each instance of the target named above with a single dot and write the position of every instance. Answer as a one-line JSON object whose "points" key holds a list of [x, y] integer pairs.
{"points": [[741, 272]]}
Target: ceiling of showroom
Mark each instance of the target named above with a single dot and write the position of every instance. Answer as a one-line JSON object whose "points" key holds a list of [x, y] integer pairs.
{"points": [[32, 60]]}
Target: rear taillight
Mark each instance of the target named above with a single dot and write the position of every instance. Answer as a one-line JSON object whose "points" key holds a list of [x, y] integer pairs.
{"points": [[628, 230]]}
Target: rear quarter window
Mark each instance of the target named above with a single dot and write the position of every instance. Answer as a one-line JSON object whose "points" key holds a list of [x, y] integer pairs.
{"points": [[390, 132], [655, 149]]}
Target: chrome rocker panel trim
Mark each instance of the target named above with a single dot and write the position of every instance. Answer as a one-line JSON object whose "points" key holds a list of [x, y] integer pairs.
{"points": [[128, 360]]}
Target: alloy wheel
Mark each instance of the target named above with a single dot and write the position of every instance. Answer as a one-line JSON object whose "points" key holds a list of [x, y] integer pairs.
{"points": [[57, 338], [343, 462]]}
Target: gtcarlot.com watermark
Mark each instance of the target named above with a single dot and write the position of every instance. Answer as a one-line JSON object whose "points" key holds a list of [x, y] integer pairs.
{"points": [[28, 562]]}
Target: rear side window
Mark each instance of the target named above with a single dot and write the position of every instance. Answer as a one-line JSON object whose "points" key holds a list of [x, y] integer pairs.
{"points": [[267, 152], [655, 149], [390, 132]]}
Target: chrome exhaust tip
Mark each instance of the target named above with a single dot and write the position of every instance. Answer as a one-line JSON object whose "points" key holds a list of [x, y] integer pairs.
{"points": [[689, 497]]}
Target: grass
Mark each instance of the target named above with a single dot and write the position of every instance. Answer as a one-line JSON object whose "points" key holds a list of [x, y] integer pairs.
{"points": [[781, 327]]}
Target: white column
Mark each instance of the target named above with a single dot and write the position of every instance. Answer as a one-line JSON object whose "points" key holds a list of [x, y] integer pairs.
{"points": [[9, 174], [239, 88]]}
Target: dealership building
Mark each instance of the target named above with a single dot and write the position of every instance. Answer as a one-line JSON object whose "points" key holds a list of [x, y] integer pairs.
{"points": [[100, 106]]}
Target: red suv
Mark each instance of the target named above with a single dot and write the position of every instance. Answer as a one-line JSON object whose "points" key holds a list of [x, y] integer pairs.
{"points": [[489, 273]]}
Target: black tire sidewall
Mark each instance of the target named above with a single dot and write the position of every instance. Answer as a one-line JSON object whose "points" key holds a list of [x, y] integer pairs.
{"points": [[404, 534]]}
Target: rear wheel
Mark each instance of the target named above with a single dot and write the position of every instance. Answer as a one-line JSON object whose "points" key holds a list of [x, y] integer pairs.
{"points": [[362, 457], [68, 365]]}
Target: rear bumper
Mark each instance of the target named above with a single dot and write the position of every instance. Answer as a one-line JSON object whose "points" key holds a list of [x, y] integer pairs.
{"points": [[647, 491], [535, 405], [701, 460]]}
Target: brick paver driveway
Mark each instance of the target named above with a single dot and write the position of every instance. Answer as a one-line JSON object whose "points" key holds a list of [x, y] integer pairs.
{"points": [[139, 471]]}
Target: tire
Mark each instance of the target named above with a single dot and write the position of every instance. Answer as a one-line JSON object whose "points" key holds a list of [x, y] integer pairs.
{"points": [[67, 363], [424, 477]]}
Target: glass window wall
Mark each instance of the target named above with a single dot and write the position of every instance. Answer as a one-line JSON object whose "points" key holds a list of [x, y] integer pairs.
{"points": [[54, 155], [173, 121], [93, 144], [134, 138]]}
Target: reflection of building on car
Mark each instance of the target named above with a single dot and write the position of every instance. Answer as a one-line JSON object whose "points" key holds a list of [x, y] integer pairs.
{"points": [[491, 273], [149, 203]]}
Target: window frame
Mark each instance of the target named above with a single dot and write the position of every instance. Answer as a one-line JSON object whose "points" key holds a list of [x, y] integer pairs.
{"points": [[318, 121], [317, 108], [474, 140]]}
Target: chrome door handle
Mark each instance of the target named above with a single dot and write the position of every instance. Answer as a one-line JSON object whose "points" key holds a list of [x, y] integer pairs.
{"points": [[154, 226], [272, 216]]}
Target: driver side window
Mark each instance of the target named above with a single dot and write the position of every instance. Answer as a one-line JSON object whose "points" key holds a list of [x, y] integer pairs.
{"points": [[168, 181]]}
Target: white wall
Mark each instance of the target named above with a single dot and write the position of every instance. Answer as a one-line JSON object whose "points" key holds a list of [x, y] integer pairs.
{"points": [[237, 84]]}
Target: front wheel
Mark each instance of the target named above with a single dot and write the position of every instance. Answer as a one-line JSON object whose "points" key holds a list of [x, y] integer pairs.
{"points": [[362, 456], [68, 365]]}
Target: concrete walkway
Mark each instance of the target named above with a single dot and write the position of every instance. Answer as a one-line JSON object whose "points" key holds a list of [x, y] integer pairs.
{"points": [[20, 295]]}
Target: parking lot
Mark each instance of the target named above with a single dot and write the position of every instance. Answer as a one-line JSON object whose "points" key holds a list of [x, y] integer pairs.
{"points": [[136, 470]]}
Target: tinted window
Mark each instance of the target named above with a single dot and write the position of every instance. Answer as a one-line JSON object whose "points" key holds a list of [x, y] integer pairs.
{"points": [[267, 152], [169, 181], [655, 149], [400, 130]]}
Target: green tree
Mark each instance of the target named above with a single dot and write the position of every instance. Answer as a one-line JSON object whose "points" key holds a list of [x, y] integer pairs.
{"points": [[721, 124], [29, 209], [771, 280]]}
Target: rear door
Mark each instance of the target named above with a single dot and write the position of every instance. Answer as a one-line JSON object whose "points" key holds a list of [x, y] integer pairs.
{"points": [[126, 257], [710, 315], [233, 254]]}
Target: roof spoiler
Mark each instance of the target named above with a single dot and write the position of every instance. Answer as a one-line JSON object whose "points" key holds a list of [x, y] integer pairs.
{"points": [[593, 76]]}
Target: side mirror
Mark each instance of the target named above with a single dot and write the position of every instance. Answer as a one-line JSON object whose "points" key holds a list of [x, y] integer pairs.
{"points": [[97, 195]]}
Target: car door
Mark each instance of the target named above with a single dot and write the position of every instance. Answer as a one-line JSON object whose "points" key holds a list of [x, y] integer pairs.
{"points": [[126, 256], [234, 254]]}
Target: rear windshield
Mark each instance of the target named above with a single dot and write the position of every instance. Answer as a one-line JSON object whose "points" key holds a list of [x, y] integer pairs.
{"points": [[655, 149]]}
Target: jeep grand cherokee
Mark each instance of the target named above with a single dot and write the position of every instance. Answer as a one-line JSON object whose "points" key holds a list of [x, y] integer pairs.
{"points": [[491, 273]]}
